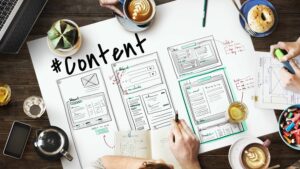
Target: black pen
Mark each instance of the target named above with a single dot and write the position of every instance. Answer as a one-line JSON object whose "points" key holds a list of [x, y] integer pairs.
{"points": [[176, 120]]}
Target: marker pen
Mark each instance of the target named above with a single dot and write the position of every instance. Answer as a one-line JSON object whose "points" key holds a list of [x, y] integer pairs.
{"points": [[280, 53], [293, 123]]}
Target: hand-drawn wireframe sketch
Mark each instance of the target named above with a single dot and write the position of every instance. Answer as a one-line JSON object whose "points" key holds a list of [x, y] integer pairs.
{"points": [[269, 88], [144, 92], [85, 99], [89, 113], [207, 97], [195, 56]]}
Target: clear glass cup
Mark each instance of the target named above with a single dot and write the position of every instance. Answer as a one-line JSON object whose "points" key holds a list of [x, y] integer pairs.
{"points": [[34, 107], [237, 112]]}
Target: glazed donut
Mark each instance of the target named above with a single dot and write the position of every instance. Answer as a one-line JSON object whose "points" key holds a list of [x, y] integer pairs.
{"points": [[261, 18]]}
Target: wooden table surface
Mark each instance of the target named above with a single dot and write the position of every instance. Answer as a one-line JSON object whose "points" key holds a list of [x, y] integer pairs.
{"points": [[17, 71]]}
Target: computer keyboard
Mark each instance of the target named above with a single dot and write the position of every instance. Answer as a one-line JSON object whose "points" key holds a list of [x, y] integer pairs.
{"points": [[6, 6]]}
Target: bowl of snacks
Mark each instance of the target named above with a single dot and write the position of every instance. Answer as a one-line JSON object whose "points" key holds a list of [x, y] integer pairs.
{"points": [[64, 38], [289, 126]]}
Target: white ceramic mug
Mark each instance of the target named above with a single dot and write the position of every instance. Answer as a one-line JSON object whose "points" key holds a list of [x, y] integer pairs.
{"points": [[264, 147], [237, 148]]}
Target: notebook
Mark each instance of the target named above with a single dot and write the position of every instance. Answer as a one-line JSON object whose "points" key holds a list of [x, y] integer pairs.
{"points": [[149, 144]]}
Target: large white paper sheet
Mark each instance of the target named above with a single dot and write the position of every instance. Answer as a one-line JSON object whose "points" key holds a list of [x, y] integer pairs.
{"points": [[176, 23]]}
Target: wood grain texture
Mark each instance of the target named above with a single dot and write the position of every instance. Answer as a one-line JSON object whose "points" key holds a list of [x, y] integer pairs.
{"points": [[17, 70]]}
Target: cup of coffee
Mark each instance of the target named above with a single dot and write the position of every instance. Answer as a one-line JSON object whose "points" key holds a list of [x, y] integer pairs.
{"points": [[140, 12], [256, 156]]}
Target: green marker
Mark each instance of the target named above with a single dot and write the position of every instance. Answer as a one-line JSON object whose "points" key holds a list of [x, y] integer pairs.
{"points": [[204, 13], [280, 53]]}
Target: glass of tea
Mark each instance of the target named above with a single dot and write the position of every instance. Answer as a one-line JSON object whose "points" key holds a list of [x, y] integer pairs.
{"points": [[237, 112]]}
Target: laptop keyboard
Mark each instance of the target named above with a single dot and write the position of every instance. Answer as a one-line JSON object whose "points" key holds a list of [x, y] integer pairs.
{"points": [[6, 6]]}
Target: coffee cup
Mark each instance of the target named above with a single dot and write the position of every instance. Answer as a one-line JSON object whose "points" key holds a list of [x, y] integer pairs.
{"points": [[256, 156], [139, 12], [258, 149]]}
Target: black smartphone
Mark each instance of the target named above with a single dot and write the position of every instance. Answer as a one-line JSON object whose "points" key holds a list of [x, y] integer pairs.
{"points": [[17, 139]]}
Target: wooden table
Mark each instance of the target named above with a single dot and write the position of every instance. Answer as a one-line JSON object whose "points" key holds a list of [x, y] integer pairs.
{"points": [[17, 70]]}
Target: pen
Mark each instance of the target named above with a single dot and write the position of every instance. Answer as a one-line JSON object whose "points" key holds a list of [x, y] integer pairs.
{"points": [[176, 120], [204, 14]]}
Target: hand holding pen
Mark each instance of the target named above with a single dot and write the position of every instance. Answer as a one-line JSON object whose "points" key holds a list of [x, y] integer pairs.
{"points": [[184, 144], [292, 49], [290, 74]]}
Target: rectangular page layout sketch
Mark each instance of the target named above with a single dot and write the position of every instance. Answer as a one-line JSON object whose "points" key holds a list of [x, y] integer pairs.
{"points": [[89, 113], [207, 98], [144, 91], [85, 99], [270, 90], [195, 56]]}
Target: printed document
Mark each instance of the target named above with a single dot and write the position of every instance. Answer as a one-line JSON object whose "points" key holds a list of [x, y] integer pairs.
{"points": [[270, 92]]}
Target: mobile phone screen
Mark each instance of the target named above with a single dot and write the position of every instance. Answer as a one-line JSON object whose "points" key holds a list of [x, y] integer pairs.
{"points": [[17, 140]]}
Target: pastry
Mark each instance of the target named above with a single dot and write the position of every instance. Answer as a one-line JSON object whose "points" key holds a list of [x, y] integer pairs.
{"points": [[261, 18]]}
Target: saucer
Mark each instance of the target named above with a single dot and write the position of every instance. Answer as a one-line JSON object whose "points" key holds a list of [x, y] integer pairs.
{"points": [[235, 151], [247, 6], [130, 26]]}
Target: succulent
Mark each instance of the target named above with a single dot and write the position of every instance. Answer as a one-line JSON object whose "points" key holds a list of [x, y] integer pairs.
{"points": [[63, 35]]}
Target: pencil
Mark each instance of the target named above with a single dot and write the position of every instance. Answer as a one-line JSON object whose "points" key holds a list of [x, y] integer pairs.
{"points": [[204, 13]]}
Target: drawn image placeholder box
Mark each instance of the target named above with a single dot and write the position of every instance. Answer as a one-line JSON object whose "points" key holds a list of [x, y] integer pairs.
{"points": [[90, 80]]}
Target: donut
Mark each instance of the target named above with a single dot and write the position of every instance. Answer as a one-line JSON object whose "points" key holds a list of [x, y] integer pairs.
{"points": [[261, 18]]}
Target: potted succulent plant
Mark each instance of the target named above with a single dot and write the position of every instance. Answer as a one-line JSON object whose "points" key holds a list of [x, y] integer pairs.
{"points": [[64, 38]]}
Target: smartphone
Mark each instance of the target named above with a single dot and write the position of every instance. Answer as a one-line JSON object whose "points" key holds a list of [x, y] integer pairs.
{"points": [[17, 139]]}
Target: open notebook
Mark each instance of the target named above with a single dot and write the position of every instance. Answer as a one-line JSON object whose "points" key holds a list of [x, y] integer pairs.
{"points": [[150, 144]]}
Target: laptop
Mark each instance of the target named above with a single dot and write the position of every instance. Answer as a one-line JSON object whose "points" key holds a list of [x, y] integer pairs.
{"points": [[17, 18]]}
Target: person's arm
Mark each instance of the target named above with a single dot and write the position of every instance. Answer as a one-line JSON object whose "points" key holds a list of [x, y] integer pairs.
{"points": [[112, 5], [115, 162], [184, 145], [293, 49]]}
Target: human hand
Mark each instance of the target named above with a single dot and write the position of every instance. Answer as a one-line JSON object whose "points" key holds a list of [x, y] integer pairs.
{"points": [[291, 81], [112, 5], [184, 145], [293, 49]]}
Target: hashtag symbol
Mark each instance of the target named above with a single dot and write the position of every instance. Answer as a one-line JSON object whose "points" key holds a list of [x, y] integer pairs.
{"points": [[56, 65]]}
